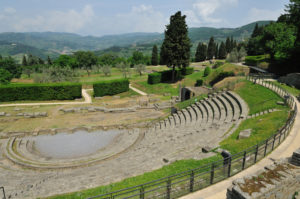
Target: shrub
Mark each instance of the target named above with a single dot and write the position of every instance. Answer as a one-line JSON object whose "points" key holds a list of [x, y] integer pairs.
{"points": [[199, 82], [112, 87], [221, 76], [154, 78], [40, 92], [255, 60], [187, 71], [264, 65], [5, 76], [218, 64], [207, 71]]}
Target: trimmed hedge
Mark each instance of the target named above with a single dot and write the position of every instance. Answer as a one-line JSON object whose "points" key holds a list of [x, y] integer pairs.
{"points": [[187, 71], [207, 71], [40, 92], [166, 76], [112, 87], [154, 78], [199, 82], [255, 60]]}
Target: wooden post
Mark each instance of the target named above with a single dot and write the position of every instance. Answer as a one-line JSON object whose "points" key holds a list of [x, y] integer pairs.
{"points": [[192, 181], [212, 173], [244, 160]]}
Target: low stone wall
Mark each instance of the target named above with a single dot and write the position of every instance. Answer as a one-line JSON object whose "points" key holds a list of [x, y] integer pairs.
{"points": [[278, 181]]}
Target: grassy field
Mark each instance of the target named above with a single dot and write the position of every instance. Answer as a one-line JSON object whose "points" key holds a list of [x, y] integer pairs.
{"points": [[176, 167], [257, 97], [262, 128]]}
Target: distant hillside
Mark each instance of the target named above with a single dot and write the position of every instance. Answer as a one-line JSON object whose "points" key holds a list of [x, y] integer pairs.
{"points": [[52, 43]]}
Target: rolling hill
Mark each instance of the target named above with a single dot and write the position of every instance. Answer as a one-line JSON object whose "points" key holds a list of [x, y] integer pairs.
{"points": [[42, 44]]}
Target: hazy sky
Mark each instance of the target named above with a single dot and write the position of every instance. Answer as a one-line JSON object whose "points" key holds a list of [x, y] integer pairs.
{"points": [[102, 17]]}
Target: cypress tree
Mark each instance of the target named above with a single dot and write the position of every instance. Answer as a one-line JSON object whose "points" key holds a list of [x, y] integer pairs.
{"points": [[255, 31], [0, 57], [211, 48], [201, 52], [41, 61], [231, 44], [176, 45], [216, 51], [227, 45], [222, 51], [154, 59], [24, 61], [49, 61]]}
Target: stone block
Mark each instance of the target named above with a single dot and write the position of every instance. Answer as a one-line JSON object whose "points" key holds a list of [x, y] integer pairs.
{"points": [[245, 134], [280, 103], [2, 114], [206, 149]]}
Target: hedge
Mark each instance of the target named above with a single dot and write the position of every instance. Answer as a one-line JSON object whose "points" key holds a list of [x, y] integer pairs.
{"points": [[40, 92], [221, 76], [207, 71], [154, 78], [112, 87], [166, 76], [187, 71], [255, 60], [199, 82]]}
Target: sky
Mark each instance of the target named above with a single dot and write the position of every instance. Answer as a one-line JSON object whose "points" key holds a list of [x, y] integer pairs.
{"points": [[107, 17]]}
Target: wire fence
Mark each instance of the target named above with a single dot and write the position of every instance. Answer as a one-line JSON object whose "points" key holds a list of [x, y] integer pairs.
{"points": [[189, 181]]}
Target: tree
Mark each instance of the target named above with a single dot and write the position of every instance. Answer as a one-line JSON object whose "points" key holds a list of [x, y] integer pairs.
{"points": [[222, 51], [236, 55], [154, 58], [5, 76], [140, 68], [211, 48], [49, 61], [24, 61], [242, 54], [86, 59], [279, 40], [201, 52], [137, 58], [228, 45], [216, 50], [28, 70], [0, 57], [176, 45], [31, 60], [11, 66], [124, 68], [40, 61], [55, 74], [106, 69]]}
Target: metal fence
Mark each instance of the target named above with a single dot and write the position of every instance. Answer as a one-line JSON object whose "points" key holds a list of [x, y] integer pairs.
{"points": [[189, 181], [2, 193]]}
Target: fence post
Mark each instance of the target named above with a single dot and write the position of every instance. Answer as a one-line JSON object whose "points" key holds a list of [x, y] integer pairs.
{"points": [[192, 182], [3, 192], [273, 142], [229, 167], [142, 193], [265, 153], [244, 160], [256, 153], [169, 188], [280, 136], [212, 173]]}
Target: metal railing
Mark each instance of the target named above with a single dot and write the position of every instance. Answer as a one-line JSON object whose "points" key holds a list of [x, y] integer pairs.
{"points": [[189, 181]]}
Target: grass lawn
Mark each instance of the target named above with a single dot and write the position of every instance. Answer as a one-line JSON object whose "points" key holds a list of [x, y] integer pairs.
{"points": [[262, 127], [257, 97], [176, 167]]}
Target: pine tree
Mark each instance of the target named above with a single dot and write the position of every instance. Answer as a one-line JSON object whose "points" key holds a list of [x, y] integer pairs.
{"points": [[24, 61], [49, 61], [255, 31], [222, 51], [211, 48], [228, 46], [154, 59], [201, 52], [176, 45]]}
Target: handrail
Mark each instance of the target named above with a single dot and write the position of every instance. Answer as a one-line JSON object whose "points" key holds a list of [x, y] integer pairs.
{"points": [[207, 174]]}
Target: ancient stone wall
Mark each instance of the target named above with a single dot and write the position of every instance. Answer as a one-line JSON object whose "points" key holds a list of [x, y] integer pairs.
{"points": [[278, 181]]}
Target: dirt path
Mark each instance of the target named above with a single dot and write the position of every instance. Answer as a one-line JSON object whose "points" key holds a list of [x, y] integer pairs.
{"points": [[286, 149], [138, 91], [85, 95]]}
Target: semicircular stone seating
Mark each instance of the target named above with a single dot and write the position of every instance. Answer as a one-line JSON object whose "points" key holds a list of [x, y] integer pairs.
{"points": [[204, 123]]}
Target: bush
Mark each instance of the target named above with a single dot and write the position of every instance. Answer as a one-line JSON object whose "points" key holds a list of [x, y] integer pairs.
{"points": [[255, 60], [199, 82], [112, 87], [187, 71], [154, 78], [221, 76], [218, 64], [40, 92], [5, 76], [207, 71]]}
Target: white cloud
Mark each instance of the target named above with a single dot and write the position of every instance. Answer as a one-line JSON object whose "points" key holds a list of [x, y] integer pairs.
{"points": [[204, 11], [69, 21], [256, 14]]}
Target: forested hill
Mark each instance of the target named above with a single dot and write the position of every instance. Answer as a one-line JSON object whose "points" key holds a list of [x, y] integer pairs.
{"points": [[53, 44]]}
